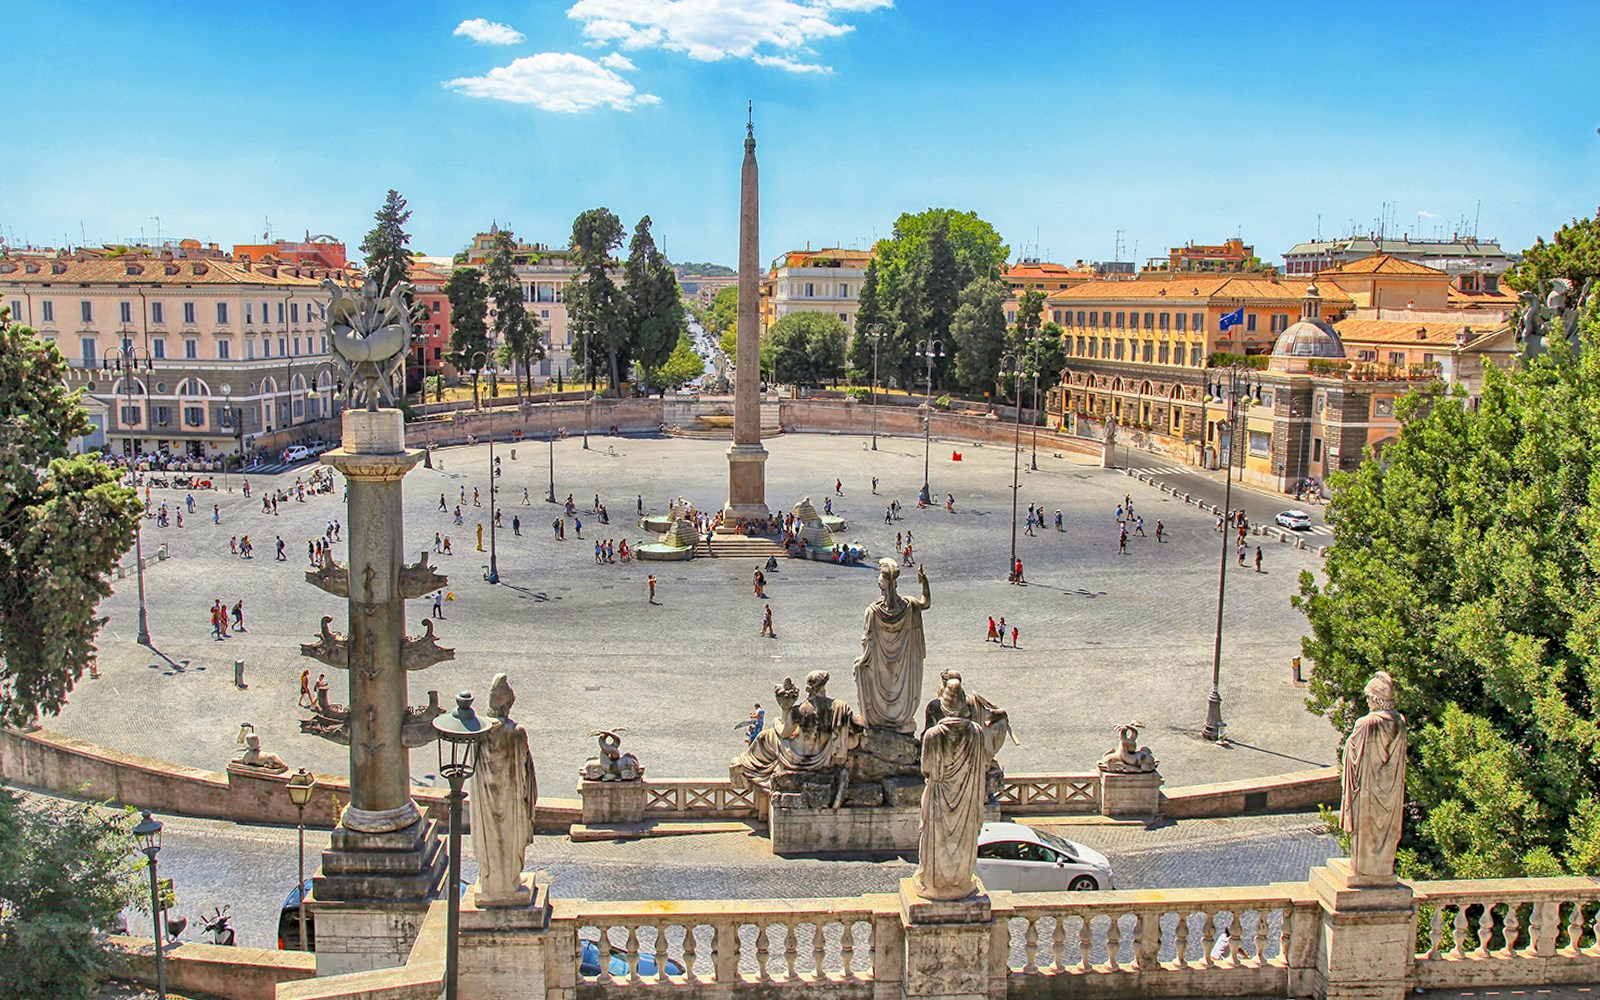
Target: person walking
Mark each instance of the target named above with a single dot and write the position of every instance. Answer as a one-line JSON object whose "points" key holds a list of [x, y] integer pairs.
{"points": [[1258, 558], [216, 514], [1058, 520], [758, 720], [233, 545], [992, 636], [1016, 571], [652, 583], [766, 624], [516, 526], [442, 504], [238, 616], [874, 485], [1015, 642], [1241, 553], [438, 603], [438, 542], [577, 526], [888, 515], [476, 502], [1122, 541], [281, 556], [1159, 529], [320, 690], [525, 501], [305, 690], [838, 487], [638, 503], [1002, 631], [1029, 529], [1138, 526], [447, 546]]}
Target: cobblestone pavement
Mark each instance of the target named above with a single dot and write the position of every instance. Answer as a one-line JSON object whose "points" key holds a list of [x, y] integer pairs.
{"points": [[252, 868], [1105, 637]]}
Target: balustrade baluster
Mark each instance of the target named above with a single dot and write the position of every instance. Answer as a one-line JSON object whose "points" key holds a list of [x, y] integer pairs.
{"points": [[1085, 941], [691, 954], [1435, 932], [1114, 942], [1258, 940], [1594, 932], [1209, 928], [785, 932], [632, 945], [1575, 929], [1030, 946], [603, 950], [663, 953], [1485, 930], [1283, 936], [1511, 928], [847, 948], [1058, 944], [1147, 946], [1181, 940], [763, 953], [819, 947], [1458, 946]]}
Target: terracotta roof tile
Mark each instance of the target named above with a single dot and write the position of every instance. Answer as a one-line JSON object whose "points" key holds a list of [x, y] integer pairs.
{"points": [[1182, 289], [1382, 263], [1399, 332], [154, 271]]}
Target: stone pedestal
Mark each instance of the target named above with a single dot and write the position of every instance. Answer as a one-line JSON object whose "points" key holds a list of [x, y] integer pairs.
{"points": [[948, 945], [797, 830], [612, 802], [1130, 796], [1367, 940], [361, 936], [747, 482], [505, 950]]}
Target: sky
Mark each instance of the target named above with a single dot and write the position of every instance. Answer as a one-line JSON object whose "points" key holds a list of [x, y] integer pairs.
{"points": [[1063, 123]]}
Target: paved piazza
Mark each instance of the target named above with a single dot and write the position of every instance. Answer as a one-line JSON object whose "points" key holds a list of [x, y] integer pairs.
{"points": [[1105, 638]]}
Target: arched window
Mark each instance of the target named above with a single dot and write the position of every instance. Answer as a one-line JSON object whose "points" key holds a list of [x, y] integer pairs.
{"points": [[193, 387], [269, 386]]}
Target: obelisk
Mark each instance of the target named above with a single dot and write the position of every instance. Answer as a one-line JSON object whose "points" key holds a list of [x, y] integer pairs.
{"points": [[747, 460]]}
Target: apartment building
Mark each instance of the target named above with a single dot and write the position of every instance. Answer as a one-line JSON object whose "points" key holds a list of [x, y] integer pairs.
{"points": [[184, 350], [827, 281], [544, 273]]}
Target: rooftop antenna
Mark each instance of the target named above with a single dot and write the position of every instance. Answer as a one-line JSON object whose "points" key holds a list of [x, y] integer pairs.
{"points": [[83, 238], [1476, 215], [1319, 227], [1119, 246], [157, 218]]}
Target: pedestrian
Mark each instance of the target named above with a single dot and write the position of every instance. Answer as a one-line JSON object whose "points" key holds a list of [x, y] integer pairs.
{"points": [[311, 552], [950, 502], [447, 546], [596, 507], [638, 502], [305, 689], [597, 553], [1017, 573], [758, 720], [766, 624], [525, 501], [480, 536], [1119, 514], [1138, 526], [458, 514], [1127, 500], [216, 622], [838, 487], [1159, 529], [338, 530], [1015, 644], [247, 487], [992, 636], [760, 583], [246, 547], [1241, 553], [1219, 523], [498, 521], [321, 689], [233, 545], [442, 504], [874, 485], [577, 526], [1058, 520], [281, 556], [1029, 529], [652, 583], [1002, 631], [516, 525], [238, 616], [438, 543], [216, 513], [888, 515], [1122, 541], [1258, 558], [438, 604]]}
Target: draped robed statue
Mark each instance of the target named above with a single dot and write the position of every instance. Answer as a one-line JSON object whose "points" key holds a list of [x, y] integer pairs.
{"points": [[1373, 797], [964, 733], [889, 669], [505, 792]]}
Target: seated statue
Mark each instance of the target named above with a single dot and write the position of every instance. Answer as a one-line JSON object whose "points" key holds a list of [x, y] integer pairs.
{"points": [[814, 735], [251, 755], [1128, 757], [610, 764]]}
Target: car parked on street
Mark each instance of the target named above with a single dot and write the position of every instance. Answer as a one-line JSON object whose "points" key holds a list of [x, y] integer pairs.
{"points": [[1295, 520], [1022, 859], [296, 453]]}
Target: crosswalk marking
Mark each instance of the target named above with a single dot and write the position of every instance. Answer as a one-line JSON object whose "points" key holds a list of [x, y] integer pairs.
{"points": [[1169, 470]]}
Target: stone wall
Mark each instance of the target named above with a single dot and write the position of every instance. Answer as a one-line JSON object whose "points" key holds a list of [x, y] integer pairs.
{"points": [[211, 970], [1301, 790]]}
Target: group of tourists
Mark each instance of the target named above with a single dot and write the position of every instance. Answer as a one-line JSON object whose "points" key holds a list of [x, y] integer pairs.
{"points": [[997, 633], [220, 619]]}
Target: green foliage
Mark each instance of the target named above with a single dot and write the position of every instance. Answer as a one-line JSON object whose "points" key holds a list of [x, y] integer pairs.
{"points": [[386, 247], [516, 327], [1468, 567], [857, 392], [66, 872], [1052, 353], [928, 296], [706, 270], [804, 348], [874, 332], [722, 319], [594, 302], [653, 308], [1225, 359], [943, 402], [64, 523], [469, 315], [979, 334], [1573, 254], [681, 367]]}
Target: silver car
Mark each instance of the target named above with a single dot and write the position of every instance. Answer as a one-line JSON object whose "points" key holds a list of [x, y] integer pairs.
{"points": [[1019, 858]]}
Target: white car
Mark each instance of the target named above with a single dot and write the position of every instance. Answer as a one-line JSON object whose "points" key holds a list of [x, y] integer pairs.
{"points": [[296, 453], [1019, 858], [1297, 520]]}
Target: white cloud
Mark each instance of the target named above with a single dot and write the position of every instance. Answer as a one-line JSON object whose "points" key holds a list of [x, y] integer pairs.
{"points": [[554, 81], [768, 32], [488, 32], [618, 61]]}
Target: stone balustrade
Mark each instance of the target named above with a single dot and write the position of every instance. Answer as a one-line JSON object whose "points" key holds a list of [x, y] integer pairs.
{"points": [[1035, 794], [1507, 932], [708, 798]]}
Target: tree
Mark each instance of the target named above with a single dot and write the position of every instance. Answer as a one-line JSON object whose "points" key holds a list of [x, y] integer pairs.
{"points": [[722, 319], [1573, 254], [516, 328], [979, 334], [386, 248], [1052, 354], [929, 294], [805, 348], [594, 302], [653, 307], [681, 367], [873, 321], [469, 317], [64, 524], [66, 872], [1468, 566]]}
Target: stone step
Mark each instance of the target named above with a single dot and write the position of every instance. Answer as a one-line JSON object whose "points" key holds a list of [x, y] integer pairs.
{"points": [[737, 547], [582, 833]]}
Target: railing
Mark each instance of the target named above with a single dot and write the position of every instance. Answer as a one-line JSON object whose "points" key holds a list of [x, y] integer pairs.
{"points": [[1507, 932], [825, 946], [1054, 794], [703, 799], [1228, 942]]}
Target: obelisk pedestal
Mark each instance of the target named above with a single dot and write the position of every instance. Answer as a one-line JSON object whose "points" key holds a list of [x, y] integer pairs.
{"points": [[383, 862], [747, 460]]}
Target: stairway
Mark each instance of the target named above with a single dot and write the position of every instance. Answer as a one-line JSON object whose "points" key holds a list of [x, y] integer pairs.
{"points": [[738, 547]]}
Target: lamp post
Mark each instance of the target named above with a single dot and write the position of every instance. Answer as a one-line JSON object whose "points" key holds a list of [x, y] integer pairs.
{"points": [[1239, 381], [1011, 363], [1033, 413], [460, 734], [148, 833], [227, 424], [127, 364], [493, 576], [550, 418], [877, 335], [300, 786], [929, 349]]}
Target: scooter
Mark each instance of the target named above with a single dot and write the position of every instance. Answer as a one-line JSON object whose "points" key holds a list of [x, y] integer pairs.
{"points": [[217, 927]]}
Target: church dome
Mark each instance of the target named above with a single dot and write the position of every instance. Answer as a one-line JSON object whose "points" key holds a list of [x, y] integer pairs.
{"points": [[1309, 338]]}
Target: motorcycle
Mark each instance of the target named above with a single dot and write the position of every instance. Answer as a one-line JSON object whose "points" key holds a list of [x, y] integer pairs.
{"points": [[217, 927]]}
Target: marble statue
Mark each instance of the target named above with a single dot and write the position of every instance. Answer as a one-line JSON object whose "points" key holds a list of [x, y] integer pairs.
{"points": [[1128, 757], [1374, 786], [370, 335], [810, 735], [610, 764], [505, 792], [889, 669], [251, 755], [956, 751]]}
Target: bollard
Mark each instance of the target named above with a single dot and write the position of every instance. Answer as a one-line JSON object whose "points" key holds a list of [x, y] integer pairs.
{"points": [[513, 454], [238, 674], [1295, 663]]}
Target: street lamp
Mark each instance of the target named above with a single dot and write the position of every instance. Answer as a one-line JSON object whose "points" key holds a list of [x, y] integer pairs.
{"points": [[929, 349], [587, 399], [877, 335], [474, 366], [1011, 363], [127, 365], [460, 734], [1033, 413], [550, 419], [148, 833], [1240, 380], [493, 576], [301, 784], [227, 424]]}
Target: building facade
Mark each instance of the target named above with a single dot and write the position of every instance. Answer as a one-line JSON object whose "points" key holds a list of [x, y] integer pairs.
{"points": [[544, 273], [191, 352], [1475, 263], [431, 342], [826, 281]]}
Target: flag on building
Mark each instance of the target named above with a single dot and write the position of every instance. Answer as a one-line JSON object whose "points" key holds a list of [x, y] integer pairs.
{"points": [[1235, 318]]}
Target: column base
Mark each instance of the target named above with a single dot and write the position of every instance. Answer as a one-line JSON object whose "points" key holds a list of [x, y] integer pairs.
{"points": [[398, 866], [747, 482], [504, 949], [1368, 933], [948, 942]]}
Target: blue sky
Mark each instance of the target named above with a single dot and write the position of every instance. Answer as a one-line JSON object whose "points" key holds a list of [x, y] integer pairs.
{"points": [[1059, 122]]}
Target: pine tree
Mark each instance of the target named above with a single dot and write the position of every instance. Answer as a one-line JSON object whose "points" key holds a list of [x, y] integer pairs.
{"points": [[653, 310], [594, 302], [386, 248], [979, 335]]}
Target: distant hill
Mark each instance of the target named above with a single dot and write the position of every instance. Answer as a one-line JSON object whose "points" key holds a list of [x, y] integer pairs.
{"points": [[706, 270]]}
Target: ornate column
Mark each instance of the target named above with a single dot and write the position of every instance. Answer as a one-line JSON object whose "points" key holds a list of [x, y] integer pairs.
{"points": [[747, 460]]}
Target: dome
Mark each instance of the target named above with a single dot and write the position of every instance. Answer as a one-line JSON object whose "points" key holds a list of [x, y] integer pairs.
{"points": [[1309, 338]]}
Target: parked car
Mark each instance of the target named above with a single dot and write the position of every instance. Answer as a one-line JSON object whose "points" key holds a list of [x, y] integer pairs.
{"points": [[617, 964], [1297, 520], [1022, 859]]}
